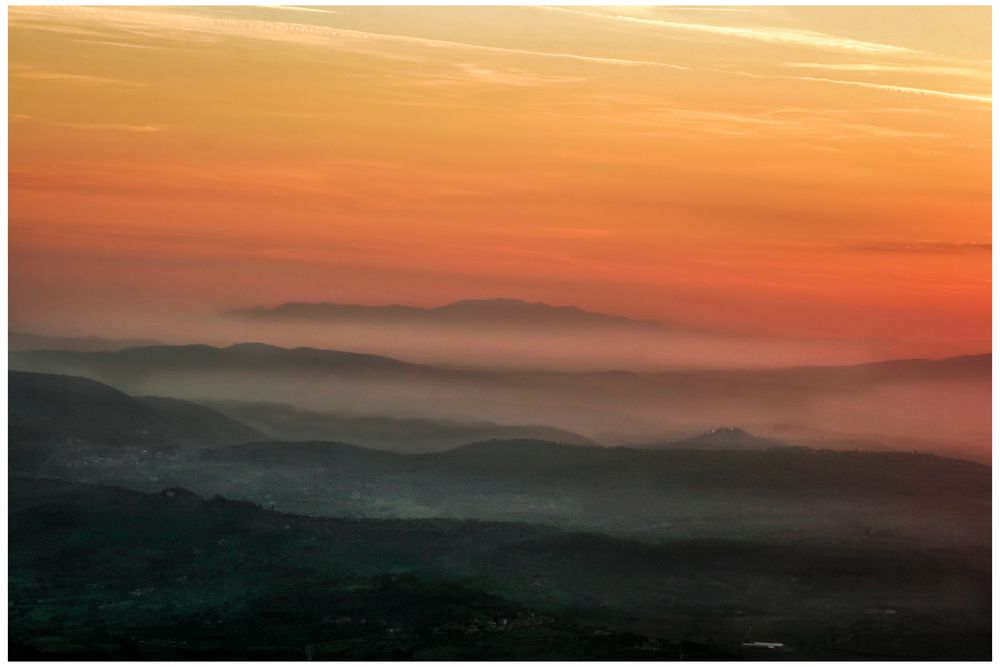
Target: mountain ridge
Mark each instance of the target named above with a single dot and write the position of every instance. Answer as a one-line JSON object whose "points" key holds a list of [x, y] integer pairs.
{"points": [[499, 312], [248, 351], [21, 340], [398, 434], [50, 412]]}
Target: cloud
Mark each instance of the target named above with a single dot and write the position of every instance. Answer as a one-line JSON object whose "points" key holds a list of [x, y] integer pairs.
{"points": [[29, 73], [178, 26], [782, 124], [921, 247], [966, 72], [868, 245], [969, 97], [293, 8], [127, 45], [568, 233], [109, 127], [502, 76], [765, 34], [726, 10]]}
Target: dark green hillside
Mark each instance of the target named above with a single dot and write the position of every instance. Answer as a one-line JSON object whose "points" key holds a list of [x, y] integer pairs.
{"points": [[50, 413], [796, 471], [103, 572]]}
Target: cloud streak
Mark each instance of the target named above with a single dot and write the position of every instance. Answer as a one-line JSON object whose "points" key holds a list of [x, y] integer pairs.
{"points": [[764, 34], [921, 247], [31, 74], [966, 72], [174, 26], [293, 8], [501, 76], [888, 87], [968, 97], [109, 127]]}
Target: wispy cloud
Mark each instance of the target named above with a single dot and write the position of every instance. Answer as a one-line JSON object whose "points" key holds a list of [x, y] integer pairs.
{"points": [[110, 127], [875, 68], [876, 245], [969, 97], [293, 8], [723, 10], [499, 76], [920, 246], [911, 90], [796, 125], [766, 34], [176, 25], [32, 74], [116, 43], [568, 233]]}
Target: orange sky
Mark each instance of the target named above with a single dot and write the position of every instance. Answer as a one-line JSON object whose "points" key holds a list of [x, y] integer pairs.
{"points": [[801, 171]]}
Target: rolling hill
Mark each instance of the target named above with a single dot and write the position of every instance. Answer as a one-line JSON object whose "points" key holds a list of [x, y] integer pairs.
{"points": [[945, 402], [728, 437], [50, 412], [408, 436], [322, 549], [258, 358], [101, 572]]}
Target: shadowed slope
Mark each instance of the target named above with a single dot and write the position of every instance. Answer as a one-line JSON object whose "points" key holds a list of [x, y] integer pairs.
{"points": [[48, 412]]}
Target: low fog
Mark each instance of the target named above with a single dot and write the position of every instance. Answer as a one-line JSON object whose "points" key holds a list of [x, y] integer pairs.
{"points": [[943, 407], [495, 347]]}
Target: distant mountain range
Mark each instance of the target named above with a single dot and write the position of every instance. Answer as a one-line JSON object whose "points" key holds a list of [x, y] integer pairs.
{"points": [[49, 409], [729, 437], [496, 314], [590, 403], [19, 340], [139, 362], [124, 367]]}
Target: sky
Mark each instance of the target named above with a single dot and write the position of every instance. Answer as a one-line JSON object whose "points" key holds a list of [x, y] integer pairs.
{"points": [[800, 172]]}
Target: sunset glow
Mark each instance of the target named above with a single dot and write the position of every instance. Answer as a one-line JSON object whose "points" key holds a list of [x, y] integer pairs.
{"points": [[804, 172]]}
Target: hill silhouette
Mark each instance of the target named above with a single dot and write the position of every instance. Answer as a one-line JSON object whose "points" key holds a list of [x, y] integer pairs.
{"points": [[727, 437], [926, 405], [492, 313], [941, 401], [48, 412], [139, 362], [79, 429], [285, 422], [19, 340]]}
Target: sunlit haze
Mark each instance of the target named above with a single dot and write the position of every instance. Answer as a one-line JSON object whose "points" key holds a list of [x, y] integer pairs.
{"points": [[810, 174]]}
